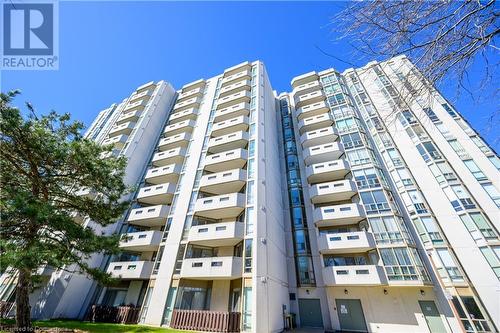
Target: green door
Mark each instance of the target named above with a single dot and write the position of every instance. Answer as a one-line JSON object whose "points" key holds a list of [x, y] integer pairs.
{"points": [[351, 315], [310, 312], [432, 316]]}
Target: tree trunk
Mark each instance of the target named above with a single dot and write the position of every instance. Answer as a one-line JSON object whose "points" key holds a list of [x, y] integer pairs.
{"points": [[23, 308]]}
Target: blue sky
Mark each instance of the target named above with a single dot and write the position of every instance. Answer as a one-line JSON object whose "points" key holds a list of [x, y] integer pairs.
{"points": [[107, 49]]}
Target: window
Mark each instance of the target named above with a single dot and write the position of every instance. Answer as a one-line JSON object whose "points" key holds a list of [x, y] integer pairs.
{"points": [[428, 230], [247, 308], [352, 140], [492, 256], [432, 116], [366, 178], [248, 255], [415, 199], [448, 264], [474, 169], [388, 230], [457, 147], [463, 196], [458, 197], [476, 222], [305, 270], [480, 144], [358, 157], [496, 161], [492, 192], [449, 110], [375, 202], [401, 177], [398, 264], [250, 220]]}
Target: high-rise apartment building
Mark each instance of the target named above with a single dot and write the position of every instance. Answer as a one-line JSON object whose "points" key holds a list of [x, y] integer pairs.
{"points": [[359, 201]]}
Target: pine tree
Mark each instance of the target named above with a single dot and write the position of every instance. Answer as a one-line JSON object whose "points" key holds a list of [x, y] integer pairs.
{"points": [[45, 163]]}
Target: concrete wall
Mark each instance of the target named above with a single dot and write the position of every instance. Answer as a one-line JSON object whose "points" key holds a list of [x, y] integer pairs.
{"points": [[270, 288], [397, 312]]}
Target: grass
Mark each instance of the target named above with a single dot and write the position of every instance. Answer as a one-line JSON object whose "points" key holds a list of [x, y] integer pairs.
{"points": [[98, 327]]}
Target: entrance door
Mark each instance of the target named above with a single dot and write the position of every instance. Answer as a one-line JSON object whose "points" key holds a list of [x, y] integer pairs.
{"points": [[351, 315], [310, 312], [432, 316]]}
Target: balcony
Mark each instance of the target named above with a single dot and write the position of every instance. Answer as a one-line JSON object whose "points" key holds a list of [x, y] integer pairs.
{"points": [[240, 109], [112, 153], [239, 97], [229, 126], [141, 241], [156, 194], [188, 114], [194, 92], [327, 171], [131, 270], [123, 129], [243, 74], [235, 87], [135, 105], [206, 321], [175, 155], [223, 182], [146, 86], [228, 142], [224, 206], [182, 126], [193, 102], [337, 215], [339, 190], [212, 268], [323, 153], [165, 174], [232, 159], [217, 234], [194, 84], [128, 117], [309, 98], [173, 141], [312, 110], [304, 79], [362, 275], [314, 123], [307, 88], [348, 242], [319, 137], [149, 216], [146, 94], [117, 142]]}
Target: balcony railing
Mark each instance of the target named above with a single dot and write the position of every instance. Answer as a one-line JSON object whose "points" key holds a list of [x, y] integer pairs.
{"points": [[364, 275], [327, 171], [240, 109], [113, 314], [206, 321]]}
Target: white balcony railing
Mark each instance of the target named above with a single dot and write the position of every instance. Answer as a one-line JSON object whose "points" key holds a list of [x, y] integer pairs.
{"points": [[212, 268], [362, 275], [220, 206], [336, 215], [131, 270], [141, 241], [346, 242], [149, 216], [217, 234], [339, 190], [227, 160]]}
